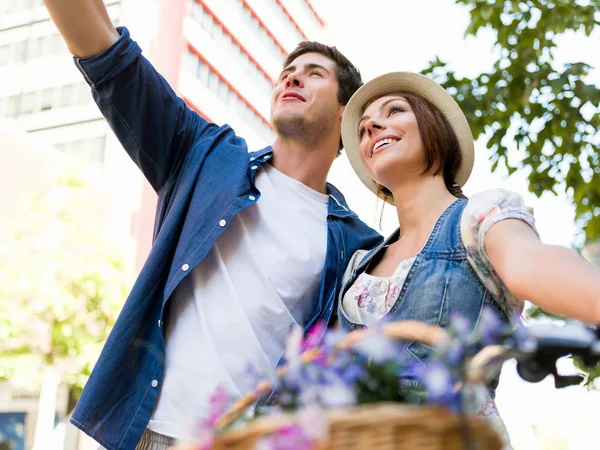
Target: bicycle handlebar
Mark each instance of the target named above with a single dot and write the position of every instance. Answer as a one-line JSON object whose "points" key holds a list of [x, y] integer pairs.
{"points": [[546, 343]]}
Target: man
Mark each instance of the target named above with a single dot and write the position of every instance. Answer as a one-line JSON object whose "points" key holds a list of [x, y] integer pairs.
{"points": [[246, 244]]}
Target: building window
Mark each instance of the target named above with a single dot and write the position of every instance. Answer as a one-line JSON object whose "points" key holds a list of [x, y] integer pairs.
{"points": [[8, 6], [47, 99], [27, 103], [66, 95], [250, 19], [284, 18], [208, 24], [33, 48], [12, 107], [310, 13], [93, 148], [217, 85], [4, 55]]}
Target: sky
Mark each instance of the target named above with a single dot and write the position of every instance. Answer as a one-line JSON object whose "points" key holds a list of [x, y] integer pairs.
{"points": [[389, 35]]}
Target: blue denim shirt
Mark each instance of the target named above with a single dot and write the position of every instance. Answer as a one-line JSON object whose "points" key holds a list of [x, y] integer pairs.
{"points": [[204, 175], [440, 282]]}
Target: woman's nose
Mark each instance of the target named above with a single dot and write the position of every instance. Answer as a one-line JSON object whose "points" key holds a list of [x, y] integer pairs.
{"points": [[373, 125]]}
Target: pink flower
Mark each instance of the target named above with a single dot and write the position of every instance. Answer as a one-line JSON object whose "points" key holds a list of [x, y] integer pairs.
{"points": [[205, 439], [314, 335], [219, 402], [286, 438]]}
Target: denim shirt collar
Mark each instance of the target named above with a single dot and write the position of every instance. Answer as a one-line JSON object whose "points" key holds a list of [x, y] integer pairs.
{"points": [[337, 206]]}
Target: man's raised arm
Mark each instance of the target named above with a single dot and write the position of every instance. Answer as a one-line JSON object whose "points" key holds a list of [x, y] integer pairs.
{"points": [[84, 25], [152, 123]]}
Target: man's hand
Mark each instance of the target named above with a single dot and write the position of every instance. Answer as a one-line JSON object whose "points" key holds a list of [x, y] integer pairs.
{"points": [[84, 25]]}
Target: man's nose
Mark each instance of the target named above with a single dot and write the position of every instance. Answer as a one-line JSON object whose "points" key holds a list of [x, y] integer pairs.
{"points": [[293, 80]]}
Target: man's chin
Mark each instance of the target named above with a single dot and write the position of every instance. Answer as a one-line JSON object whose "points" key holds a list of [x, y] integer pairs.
{"points": [[288, 123]]}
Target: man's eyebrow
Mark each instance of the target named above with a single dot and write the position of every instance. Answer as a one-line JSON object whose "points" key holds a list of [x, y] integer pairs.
{"points": [[310, 66], [383, 105], [287, 69], [307, 67]]}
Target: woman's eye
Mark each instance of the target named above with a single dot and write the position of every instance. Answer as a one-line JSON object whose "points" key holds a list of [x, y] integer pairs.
{"points": [[361, 132], [395, 109]]}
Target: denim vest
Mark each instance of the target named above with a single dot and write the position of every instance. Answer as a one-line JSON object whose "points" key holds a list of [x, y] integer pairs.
{"points": [[440, 282]]}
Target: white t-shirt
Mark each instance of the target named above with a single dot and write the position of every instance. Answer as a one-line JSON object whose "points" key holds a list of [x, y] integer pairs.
{"points": [[237, 306]]}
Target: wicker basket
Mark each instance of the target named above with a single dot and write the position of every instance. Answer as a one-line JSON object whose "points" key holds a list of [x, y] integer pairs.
{"points": [[379, 426]]}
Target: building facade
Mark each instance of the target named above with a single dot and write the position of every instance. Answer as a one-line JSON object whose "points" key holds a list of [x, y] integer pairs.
{"points": [[221, 56]]}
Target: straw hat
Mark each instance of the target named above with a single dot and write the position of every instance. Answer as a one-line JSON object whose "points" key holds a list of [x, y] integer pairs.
{"points": [[425, 88]]}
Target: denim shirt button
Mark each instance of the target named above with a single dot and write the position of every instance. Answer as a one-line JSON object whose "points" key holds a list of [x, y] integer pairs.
{"points": [[252, 158], [154, 383], [252, 198], [254, 167], [222, 223], [185, 267]]}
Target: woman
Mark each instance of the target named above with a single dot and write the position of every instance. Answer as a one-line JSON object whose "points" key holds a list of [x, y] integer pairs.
{"points": [[410, 143]]}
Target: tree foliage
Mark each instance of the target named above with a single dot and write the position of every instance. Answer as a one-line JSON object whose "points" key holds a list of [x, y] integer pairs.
{"points": [[538, 116], [61, 287]]}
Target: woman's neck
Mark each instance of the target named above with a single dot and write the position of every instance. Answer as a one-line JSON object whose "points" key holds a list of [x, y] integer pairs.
{"points": [[420, 204]]}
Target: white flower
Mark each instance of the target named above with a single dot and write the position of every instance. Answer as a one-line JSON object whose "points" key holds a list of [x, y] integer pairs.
{"points": [[377, 347], [337, 395], [293, 346], [313, 422]]}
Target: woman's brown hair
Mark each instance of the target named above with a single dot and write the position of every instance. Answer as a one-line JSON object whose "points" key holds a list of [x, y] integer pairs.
{"points": [[441, 151]]}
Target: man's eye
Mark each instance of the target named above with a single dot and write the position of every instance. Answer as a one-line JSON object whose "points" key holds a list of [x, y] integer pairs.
{"points": [[316, 73], [361, 132]]}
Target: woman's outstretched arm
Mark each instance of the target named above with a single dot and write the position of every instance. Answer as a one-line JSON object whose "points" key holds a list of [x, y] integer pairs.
{"points": [[555, 278]]}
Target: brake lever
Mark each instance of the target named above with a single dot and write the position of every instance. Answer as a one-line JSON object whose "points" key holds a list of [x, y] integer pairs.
{"points": [[547, 343]]}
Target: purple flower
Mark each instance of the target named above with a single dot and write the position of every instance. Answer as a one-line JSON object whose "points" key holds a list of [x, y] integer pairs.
{"points": [[308, 394], [332, 339], [438, 381], [337, 394], [460, 325], [455, 352], [490, 326], [353, 372]]}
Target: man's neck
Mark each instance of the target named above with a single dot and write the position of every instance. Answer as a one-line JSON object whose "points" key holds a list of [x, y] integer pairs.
{"points": [[308, 164]]}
